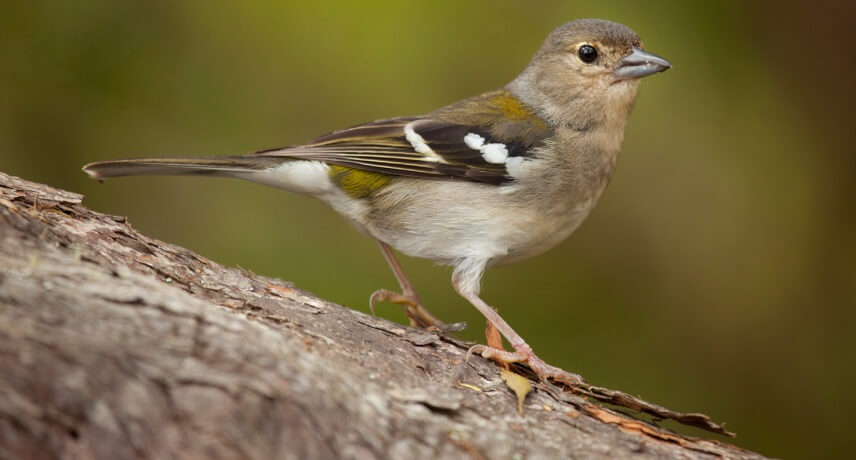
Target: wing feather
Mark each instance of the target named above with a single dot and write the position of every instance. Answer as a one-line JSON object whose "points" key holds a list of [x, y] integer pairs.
{"points": [[383, 146]]}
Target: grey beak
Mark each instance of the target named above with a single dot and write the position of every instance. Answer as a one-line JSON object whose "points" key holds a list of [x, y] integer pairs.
{"points": [[640, 64]]}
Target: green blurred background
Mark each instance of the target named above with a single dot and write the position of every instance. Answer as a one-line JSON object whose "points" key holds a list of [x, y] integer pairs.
{"points": [[717, 274]]}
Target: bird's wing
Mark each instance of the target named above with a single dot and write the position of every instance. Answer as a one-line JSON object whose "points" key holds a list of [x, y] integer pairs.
{"points": [[424, 147]]}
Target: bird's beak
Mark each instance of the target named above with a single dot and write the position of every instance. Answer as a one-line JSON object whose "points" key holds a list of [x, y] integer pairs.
{"points": [[640, 64]]}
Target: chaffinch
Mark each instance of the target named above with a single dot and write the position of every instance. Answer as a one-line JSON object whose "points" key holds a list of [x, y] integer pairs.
{"points": [[492, 179]]}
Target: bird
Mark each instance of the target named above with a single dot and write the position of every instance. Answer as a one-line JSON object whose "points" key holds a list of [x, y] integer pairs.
{"points": [[492, 179]]}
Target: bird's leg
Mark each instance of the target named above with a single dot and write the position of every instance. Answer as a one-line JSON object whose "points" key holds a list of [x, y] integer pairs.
{"points": [[522, 351], [419, 316], [466, 284]]}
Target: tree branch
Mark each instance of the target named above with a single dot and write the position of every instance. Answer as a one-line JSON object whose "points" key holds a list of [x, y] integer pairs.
{"points": [[115, 345]]}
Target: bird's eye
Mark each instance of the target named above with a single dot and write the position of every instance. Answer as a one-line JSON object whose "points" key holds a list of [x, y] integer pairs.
{"points": [[587, 54]]}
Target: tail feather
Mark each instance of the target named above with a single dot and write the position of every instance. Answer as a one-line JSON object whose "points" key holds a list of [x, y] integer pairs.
{"points": [[218, 166]]}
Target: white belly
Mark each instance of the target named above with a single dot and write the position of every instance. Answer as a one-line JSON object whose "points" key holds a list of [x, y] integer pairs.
{"points": [[450, 221]]}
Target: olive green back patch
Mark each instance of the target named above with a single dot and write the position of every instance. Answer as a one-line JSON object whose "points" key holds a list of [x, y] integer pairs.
{"points": [[358, 183]]}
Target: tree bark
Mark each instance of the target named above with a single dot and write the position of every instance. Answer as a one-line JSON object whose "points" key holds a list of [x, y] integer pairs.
{"points": [[114, 345]]}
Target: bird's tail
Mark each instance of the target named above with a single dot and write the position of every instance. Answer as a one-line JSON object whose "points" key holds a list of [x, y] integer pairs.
{"points": [[235, 166]]}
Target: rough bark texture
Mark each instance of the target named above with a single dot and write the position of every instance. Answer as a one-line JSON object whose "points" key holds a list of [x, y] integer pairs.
{"points": [[114, 345]]}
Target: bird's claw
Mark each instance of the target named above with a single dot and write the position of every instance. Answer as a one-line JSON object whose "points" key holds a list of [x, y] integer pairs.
{"points": [[419, 315], [524, 354]]}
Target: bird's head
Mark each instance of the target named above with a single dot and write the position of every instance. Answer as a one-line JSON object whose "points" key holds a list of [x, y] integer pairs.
{"points": [[587, 71]]}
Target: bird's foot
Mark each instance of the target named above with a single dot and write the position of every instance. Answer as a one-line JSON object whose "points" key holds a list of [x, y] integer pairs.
{"points": [[419, 315], [524, 354]]}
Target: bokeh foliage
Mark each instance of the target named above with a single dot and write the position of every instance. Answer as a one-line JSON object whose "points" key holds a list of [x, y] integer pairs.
{"points": [[717, 273]]}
